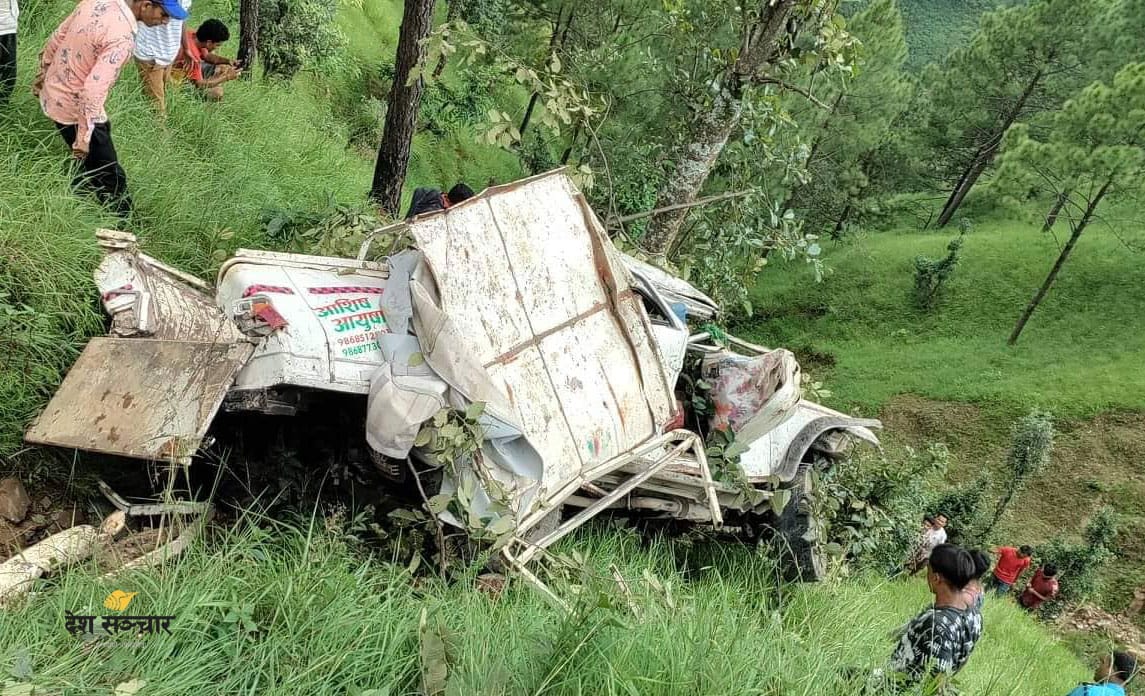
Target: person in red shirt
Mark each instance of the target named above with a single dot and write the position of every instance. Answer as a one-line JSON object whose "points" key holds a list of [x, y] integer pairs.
{"points": [[198, 63], [1042, 588], [1012, 562]]}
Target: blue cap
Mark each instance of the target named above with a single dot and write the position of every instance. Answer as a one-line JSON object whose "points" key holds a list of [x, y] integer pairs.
{"points": [[172, 8]]}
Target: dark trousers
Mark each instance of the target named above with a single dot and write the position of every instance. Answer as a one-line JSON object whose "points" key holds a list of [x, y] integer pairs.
{"points": [[100, 171], [7, 66]]}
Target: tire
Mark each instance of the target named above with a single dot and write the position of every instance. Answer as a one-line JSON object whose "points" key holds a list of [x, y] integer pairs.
{"points": [[803, 559]]}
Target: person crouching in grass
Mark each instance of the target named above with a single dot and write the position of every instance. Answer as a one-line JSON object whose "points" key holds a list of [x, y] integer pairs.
{"points": [[198, 63]]}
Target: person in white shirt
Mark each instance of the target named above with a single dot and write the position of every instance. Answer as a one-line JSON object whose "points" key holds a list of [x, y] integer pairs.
{"points": [[155, 51], [9, 13], [933, 534]]}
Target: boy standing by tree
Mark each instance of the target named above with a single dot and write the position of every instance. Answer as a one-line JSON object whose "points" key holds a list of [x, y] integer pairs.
{"points": [[1012, 562], [81, 61], [9, 13]]}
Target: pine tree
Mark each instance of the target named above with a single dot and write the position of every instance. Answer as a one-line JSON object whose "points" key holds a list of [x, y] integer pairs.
{"points": [[402, 107], [1095, 150], [843, 138], [1021, 62]]}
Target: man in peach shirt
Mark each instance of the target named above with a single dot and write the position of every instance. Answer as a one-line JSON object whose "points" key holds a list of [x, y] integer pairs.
{"points": [[78, 66]]}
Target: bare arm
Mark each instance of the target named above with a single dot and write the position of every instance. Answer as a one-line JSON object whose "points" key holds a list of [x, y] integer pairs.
{"points": [[216, 60], [223, 74]]}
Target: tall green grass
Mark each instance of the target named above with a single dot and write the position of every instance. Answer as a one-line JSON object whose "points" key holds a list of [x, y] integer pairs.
{"points": [[1078, 356], [302, 611]]}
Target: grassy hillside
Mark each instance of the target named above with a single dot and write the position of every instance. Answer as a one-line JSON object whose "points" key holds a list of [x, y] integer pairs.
{"points": [[1078, 356], [949, 376], [304, 613]]}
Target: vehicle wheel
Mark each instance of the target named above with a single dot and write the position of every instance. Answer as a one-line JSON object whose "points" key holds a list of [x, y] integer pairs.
{"points": [[803, 559]]}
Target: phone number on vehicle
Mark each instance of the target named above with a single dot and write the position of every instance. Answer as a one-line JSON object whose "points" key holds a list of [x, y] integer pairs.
{"points": [[360, 338]]}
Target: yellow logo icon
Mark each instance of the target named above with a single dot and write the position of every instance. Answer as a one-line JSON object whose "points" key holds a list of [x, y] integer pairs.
{"points": [[118, 600]]}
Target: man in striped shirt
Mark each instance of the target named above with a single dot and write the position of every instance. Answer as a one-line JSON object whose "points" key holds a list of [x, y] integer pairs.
{"points": [[155, 51]]}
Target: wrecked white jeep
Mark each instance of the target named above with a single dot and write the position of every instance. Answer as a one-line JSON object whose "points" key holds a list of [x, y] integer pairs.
{"points": [[515, 300]]}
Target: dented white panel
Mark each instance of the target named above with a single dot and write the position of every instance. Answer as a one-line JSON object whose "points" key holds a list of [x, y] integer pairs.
{"points": [[764, 457], [526, 272], [333, 320]]}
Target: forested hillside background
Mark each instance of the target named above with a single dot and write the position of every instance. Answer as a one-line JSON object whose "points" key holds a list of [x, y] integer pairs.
{"points": [[936, 204]]}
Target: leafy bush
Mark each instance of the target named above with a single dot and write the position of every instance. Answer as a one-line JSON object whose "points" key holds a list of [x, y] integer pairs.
{"points": [[294, 34], [336, 230], [930, 275], [1031, 444], [1079, 565], [871, 506], [968, 508]]}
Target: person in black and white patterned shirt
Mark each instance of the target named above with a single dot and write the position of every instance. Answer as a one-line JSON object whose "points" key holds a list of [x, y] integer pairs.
{"points": [[938, 642]]}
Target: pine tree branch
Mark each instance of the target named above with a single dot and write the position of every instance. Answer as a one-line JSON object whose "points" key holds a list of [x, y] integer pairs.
{"points": [[794, 88]]}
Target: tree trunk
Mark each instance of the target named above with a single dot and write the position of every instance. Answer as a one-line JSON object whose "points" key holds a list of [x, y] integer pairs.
{"points": [[837, 232], [1052, 216], [709, 136], [572, 142], [709, 132], [452, 13], [402, 108], [529, 112], [554, 43], [986, 152], [1045, 288], [248, 35], [1000, 508]]}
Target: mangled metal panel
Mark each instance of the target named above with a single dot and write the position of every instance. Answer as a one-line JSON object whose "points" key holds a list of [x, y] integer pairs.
{"points": [[530, 278], [697, 304], [779, 451], [144, 398], [146, 297]]}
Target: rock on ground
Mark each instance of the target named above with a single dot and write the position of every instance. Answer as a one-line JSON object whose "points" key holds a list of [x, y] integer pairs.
{"points": [[14, 500]]}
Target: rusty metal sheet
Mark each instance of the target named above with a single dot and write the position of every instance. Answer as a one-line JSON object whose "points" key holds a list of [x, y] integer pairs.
{"points": [[527, 273], [175, 309], [144, 398]]}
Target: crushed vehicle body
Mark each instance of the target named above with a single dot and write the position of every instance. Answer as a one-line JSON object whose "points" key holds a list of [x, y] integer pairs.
{"points": [[512, 306]]}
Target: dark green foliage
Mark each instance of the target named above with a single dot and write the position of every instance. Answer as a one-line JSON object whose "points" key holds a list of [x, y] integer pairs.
{"points": [[872, 506], [1079, 564], [937, 27], [968, 508], [844, 137], [930, 275], [297, 34]]}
